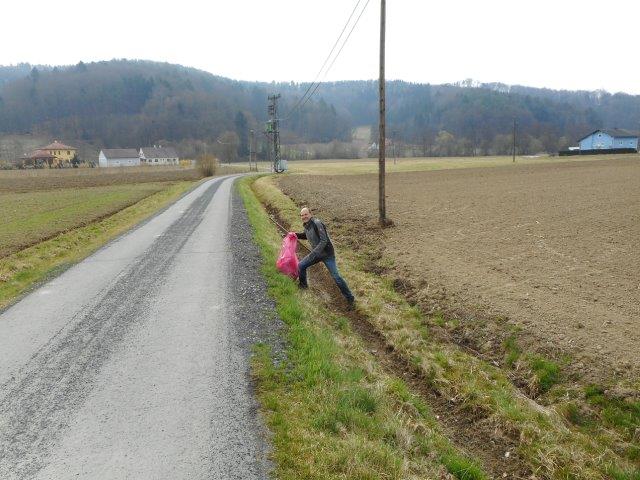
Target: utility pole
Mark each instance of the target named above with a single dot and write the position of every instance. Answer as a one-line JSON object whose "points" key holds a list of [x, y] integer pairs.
{"points": [[514, 140], [382, 208], [273, 131]]}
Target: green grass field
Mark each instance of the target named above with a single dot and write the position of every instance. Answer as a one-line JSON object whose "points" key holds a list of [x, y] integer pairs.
{"points": [[29, 218], [370, 165], [20, 270]]}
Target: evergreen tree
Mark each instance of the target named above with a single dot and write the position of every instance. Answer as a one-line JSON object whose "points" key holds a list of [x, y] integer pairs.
{"points": [[242, 127]]}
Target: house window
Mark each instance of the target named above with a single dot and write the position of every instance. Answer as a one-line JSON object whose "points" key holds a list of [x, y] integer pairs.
{"points": [[68, 152]]}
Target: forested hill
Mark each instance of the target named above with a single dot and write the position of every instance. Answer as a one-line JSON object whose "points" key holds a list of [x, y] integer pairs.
{"points": [[480, 117], [122, 103], [17, 71]]}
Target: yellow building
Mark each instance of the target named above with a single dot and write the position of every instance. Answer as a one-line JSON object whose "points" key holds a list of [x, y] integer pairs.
{"points": [[62, 152]]}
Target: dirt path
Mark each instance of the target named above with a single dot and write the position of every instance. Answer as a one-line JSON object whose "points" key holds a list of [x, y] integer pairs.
{"points": [[551, 247]]}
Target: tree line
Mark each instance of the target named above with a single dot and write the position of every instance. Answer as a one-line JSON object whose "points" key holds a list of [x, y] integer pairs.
{"points": [[123, 103]]}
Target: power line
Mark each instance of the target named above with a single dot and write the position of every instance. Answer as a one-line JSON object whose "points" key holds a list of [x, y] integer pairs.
{"points": [[303, 101], [337, 55], [326, 59]]}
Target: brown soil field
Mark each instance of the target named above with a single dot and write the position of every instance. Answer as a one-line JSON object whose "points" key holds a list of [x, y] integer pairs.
{"points": [[549, 250], [30, 180]]}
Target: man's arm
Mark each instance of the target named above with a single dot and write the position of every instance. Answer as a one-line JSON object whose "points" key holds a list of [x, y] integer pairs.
{"points": [[301, 235]]}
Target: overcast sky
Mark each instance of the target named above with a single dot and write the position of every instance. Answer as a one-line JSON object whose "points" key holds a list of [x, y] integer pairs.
{"points": [[544, 43]]}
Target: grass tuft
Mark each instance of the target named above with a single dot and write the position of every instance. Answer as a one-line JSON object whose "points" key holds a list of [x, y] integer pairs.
{"points": [[547, 372], [512, 351], [462, 468], [616, 412]]}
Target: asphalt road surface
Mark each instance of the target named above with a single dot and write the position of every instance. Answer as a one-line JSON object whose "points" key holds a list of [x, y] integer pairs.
{"points": [[134, 363]]}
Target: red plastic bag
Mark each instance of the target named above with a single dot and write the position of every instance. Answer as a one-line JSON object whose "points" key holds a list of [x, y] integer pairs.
{"points": [[288, 260]]}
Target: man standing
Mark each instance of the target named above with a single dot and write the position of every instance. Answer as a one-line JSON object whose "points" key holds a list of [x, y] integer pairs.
{"points": [[322, 251]]}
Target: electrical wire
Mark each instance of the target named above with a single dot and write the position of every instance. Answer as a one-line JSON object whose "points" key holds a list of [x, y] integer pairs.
{"points": [[328, 57], [337, 55], [303, 101]]}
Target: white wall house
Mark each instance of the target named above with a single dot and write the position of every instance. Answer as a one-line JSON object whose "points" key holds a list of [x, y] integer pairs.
{"points": [[159, 156], [118, 157]]}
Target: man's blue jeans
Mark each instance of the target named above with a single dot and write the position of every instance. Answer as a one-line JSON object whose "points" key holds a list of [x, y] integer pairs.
{"points": [[330, 263]]}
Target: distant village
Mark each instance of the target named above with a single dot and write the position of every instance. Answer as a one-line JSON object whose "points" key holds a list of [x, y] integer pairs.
{"points": [[59, 155]]}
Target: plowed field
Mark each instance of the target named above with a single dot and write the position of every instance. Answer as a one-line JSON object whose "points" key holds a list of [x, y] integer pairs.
{"points": [[553, 248]]}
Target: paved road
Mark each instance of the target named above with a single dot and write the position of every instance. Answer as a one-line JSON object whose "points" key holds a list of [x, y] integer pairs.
{"points": [[133, 364]]}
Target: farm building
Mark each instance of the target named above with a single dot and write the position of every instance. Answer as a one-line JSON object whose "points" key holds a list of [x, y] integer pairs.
{"points": [[159, 156], [118, 157], [610, 139]]}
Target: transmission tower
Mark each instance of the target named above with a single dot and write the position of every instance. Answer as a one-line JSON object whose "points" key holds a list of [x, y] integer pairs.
{"points": [[273, 132]]}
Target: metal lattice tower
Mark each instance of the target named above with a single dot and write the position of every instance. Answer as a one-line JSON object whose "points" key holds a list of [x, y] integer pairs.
{"points": [[273, 132]]}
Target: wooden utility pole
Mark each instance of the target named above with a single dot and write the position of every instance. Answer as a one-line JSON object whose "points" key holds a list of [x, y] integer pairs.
{"points": [[382, 208], [514, 140]]}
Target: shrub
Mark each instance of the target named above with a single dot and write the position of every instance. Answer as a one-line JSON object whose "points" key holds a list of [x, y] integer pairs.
{"points": [[207, 165]]}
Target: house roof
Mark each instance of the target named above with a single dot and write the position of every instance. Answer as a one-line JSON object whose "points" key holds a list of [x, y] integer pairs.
{"points": [[613, 132], [40, 154], [159, 152], [56, 145], [114, 153], [620, 132]]}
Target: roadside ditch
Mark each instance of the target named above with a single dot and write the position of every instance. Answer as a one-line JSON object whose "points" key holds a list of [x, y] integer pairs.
{"points": [[467, 429]]}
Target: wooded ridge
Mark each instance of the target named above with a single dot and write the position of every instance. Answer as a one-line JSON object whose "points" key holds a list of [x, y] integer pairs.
{"points": [[120, 103]]}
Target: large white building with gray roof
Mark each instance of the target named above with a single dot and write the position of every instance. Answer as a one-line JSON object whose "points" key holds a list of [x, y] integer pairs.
{"points": [[118, 157], [159, 156]]}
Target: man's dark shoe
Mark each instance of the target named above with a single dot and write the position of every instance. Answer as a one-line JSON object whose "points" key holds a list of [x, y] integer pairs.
{"points": [[303, 286], [351, 304]]}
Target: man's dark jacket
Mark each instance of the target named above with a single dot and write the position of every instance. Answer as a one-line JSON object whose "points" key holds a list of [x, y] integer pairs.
{"points": [[316, 233]]}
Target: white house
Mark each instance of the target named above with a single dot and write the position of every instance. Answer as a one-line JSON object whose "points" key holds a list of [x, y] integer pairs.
{"points": [[159, 156], [610, 139], [118, 157]]}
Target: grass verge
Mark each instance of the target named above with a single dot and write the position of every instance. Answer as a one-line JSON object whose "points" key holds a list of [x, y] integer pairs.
{"points": [[334, 412], [21, 270], [552, 446]]}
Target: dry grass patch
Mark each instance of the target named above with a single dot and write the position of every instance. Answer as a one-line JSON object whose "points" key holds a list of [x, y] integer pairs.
{"points": [[370, 165]]}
